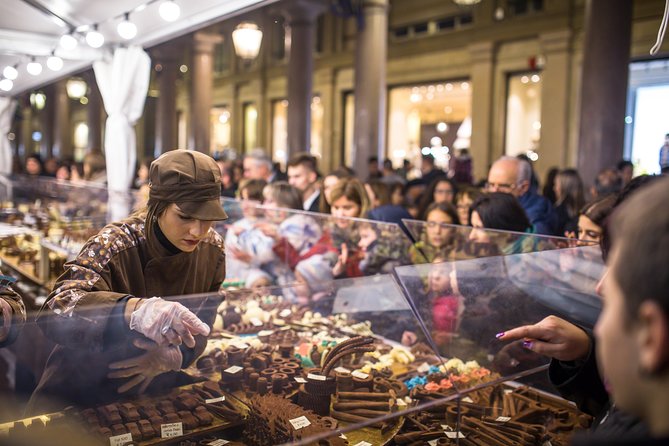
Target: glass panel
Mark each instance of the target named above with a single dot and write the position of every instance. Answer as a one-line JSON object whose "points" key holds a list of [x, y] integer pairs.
{"points": [[250, 127], [523, 114], [433, 118]]}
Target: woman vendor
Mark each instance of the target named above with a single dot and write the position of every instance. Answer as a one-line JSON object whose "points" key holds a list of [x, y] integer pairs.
{"points": [[114, 336]]}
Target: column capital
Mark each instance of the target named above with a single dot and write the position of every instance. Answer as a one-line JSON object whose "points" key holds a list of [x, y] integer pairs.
{"points": [[481, 52], [370, 4], [556, 41], [299, 12], [205, 42]]}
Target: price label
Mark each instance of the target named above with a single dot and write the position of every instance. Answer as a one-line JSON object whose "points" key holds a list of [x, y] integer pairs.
{"points": [[219, 442], [453, 435], [503, 419], [240, 345], [424, 367], [360, 375], [234, 369], [119, 440], [285, 313], [467, 400], [215, 400], [256, 322], [300, 380], [316, 377], [343, 437], [401, 402], [300, 422], [433, 442], [342, 370], [363, 443], [171, 430], [265, 332]]}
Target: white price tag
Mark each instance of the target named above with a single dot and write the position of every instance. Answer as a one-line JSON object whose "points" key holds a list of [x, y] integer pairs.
{"points": [[300, 380], [316, 377], [433, 442], [363, 443], [360, 375], [234, 369], [503, 419], [467, 400], [240, 345], [344, 437], [119, 440], [285, 313], [453, 435], [256, 322], [424, 367], [300, 422], [265, 332], [401, 402], [342, 370], [214, 400], [171, 430], [219, 442]]}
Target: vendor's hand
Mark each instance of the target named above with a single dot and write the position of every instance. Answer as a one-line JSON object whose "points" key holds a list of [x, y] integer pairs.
{"points": [[6, 312], [339, 267], [409, 338], [553, 337], [166, 322], [143, 368]]}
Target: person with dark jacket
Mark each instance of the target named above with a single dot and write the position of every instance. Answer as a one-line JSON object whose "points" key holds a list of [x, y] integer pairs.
{"points": [[512, 176], [113, 337]]}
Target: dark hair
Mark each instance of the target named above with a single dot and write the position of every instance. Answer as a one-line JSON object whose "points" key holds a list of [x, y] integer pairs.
{"points": [[624, 163], [446, 208], [608, 182], [599, 210], [429, 158], [387, 164], [498, 210], [571, 188], [373, 159], [381, 191], [548, 191], [640, 230], [254, 188], [38, 159], [428, 195], [304, 159]]}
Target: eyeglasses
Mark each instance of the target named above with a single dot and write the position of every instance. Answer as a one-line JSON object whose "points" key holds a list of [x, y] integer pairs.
{"points": [[444, 191], [499, 186]]}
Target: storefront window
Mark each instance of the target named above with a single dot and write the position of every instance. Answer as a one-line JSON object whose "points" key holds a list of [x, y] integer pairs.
{"points": [[280, 130], [80, 140], [349, 123], [523, 115], [431, 118], [219, 119], [250, 141]]}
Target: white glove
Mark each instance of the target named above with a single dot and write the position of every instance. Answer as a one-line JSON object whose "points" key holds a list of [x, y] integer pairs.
{"points": [[166, 322], [143, 368]]}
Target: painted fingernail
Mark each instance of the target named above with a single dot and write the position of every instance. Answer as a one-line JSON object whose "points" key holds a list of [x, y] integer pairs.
{"points": [[499, 335], [527, 344]]}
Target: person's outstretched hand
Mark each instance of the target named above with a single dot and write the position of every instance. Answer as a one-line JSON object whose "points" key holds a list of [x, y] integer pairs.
{"points": [[166, 322], [553, 337], [143, 368]]}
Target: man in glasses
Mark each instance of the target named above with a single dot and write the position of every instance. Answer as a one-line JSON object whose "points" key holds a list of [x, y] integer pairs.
{"points": [[512, 176]]}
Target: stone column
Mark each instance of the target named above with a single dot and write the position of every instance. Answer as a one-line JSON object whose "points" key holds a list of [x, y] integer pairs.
{"points": [[62, 128], [370, 86], [301, 19], [202, 80], [555, 93], [482, 75], [166, 107], [604, 86], [94, 110]]}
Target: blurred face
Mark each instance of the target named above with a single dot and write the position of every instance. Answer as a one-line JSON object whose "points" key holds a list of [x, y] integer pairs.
{"points": [[617, 349], [372, 197], [143, 173], [328, 183], [255, 170], [437, 234], [367, 237], [63, 173], [503, 177], [443, 192], [397, 199], [464, 202], [302, 179], [343, 207], [588, 231], [439, 279], [33, 167], [181, 230], [477, 234]]}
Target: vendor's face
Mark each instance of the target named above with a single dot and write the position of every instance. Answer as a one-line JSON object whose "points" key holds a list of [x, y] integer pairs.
{"points": [[617, 349], [437, 234], [478, 234], [181, 230]]}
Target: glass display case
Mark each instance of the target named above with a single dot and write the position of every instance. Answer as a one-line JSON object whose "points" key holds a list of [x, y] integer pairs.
{"points": [[322, 361]]}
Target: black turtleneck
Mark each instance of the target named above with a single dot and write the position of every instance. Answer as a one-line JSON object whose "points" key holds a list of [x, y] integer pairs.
{"points": [[164, 241]]}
